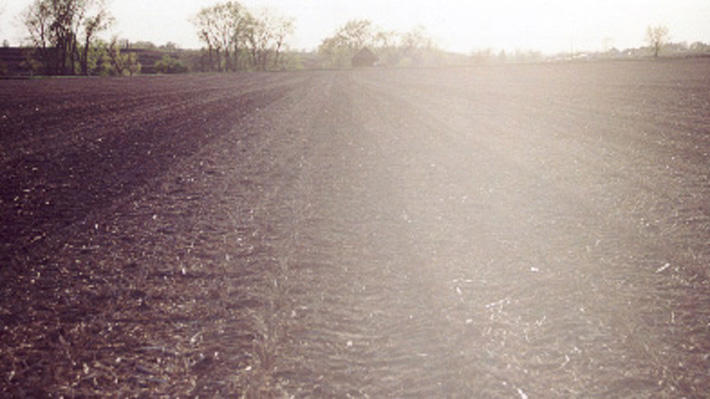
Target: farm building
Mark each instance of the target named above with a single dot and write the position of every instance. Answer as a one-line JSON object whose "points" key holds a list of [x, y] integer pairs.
{"points": [[364, 58]]}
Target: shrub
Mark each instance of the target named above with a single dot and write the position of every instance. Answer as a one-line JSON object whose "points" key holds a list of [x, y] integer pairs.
{"points": [[168, 64]]}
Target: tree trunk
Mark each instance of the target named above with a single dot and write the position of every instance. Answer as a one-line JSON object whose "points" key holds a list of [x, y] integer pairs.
{"points": [[264, 59], [61, 61], [276, 55], [74, 55], [254, 58], [227, 60], [238, 59], [85, 58]]}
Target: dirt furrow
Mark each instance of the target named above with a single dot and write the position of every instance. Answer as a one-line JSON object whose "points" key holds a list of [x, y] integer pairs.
{"points": [[486, 232], [474, 272]]}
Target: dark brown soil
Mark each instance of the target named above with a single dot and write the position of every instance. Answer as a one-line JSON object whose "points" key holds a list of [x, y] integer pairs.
{"points": [[510, 231]]}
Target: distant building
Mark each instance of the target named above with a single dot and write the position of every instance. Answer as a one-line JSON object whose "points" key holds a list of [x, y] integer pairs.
{"points": [[364, 58]]}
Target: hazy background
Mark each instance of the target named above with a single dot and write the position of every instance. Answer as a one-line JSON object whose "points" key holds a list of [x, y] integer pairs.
{"points": [[546, 25]]}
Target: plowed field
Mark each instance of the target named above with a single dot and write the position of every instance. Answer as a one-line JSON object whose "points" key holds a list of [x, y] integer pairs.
{"points": [[508, 231]]}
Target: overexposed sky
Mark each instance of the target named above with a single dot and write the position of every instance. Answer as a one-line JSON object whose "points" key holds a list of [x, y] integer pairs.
{"points": [[546, 25]]}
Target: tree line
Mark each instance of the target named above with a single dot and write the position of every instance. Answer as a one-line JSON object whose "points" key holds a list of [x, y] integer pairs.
{"points": [[63, 35], [415, 47], [238, 39], [64, 39]]}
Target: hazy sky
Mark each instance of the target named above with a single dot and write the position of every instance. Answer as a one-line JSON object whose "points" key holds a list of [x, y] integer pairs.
{"points": [[547, 25]]}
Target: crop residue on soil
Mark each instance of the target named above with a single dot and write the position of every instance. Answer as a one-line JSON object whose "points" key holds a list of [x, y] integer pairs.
{"points": [[511, 231]]}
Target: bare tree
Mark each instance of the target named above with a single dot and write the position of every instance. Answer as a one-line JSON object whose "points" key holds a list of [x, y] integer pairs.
{"points": [[347, 40], [55, 26], [38, 20], [656, 37], [266, 38], [281, 27], [229, 30], [257, 37], [223, 29], [101, 21], [417, 39], [205, 23], [392, 48], [386, 46], [66, 15]]}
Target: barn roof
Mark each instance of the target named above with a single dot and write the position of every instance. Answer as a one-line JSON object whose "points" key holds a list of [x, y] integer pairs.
{"points": [[364, 57]]}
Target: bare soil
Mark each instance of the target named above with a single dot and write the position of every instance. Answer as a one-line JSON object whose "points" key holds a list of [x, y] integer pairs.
{"points": [[509, 231]]}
